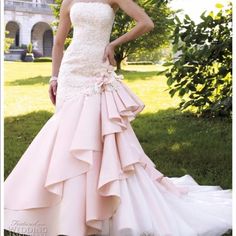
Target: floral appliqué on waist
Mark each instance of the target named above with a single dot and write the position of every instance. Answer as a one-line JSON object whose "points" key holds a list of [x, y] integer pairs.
{"points": [[104, 79], [107, 80]]}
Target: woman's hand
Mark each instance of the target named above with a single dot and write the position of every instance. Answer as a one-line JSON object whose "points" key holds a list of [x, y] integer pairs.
{"points": [[109, 53], [53, 91]]}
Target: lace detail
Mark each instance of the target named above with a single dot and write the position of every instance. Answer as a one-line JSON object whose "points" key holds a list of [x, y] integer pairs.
{"points": [[105, 80], [82, 70]]}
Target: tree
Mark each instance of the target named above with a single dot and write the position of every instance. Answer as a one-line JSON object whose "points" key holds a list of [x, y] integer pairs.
{"points": [[161, 15], [157, 38], [56, 11], [201, 72]]}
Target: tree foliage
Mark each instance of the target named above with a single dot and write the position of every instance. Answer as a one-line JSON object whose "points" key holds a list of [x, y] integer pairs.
{"points": [[161, 15], [56, 12], [201, 72]]}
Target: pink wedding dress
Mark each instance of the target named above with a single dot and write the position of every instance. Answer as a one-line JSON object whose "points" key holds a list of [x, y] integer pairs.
{"points": [[85, 172]]}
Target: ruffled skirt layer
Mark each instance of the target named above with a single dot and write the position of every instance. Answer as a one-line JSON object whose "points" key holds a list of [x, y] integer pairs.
{"points": [[85, 173]]}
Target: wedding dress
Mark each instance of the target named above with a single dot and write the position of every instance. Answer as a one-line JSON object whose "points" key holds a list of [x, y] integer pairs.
{"points": [[85, 172]]}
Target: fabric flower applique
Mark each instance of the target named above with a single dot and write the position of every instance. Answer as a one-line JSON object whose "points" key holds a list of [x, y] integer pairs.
{"points": [[107, 80]]}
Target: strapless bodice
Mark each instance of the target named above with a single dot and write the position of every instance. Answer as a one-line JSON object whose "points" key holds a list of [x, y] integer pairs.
{"points": [[82, 69], [92, 24]]}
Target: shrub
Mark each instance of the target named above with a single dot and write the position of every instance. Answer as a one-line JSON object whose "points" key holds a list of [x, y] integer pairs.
{"points": [[7, 42], [201, 73], [30, 48]]}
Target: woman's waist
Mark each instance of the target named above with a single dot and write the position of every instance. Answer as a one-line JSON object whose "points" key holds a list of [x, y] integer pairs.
{"points": [[89, 85], [96, 38], [83, 57], [75, 67], [87, 45], [80, 73]]}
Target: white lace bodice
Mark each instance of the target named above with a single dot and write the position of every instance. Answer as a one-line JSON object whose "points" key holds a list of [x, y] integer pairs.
{"points": [[82, 69], [92, 24]]}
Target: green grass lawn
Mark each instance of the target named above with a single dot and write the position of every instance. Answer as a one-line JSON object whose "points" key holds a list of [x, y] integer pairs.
{"points": [[179, 143]]}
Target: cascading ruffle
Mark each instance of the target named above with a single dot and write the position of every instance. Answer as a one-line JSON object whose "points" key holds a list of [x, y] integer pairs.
{"points": [[65, 148]]}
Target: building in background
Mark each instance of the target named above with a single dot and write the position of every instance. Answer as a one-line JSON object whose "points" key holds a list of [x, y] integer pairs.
{"points": [[29, 21]]}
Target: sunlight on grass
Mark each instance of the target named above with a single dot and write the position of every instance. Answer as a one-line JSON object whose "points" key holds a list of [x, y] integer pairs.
{"points": [[144, 68], [26, 87]]}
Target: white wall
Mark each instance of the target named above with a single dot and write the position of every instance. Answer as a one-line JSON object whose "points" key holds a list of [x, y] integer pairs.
{"points": [[26, 22]]}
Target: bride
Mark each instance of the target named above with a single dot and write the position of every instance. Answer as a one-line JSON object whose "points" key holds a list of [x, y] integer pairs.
{"points": [[85, 173]]}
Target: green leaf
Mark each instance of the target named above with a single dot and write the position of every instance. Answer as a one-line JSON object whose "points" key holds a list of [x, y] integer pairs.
{"points": [[170, 81], [187, 17], [182, 92], [203, 15], [219, 5], [212, 14], [191, 86], [177, 19], [172, 92]]}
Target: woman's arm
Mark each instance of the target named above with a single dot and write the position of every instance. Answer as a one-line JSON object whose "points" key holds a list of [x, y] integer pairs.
{"points": [[58, 46], [143, 25]]}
